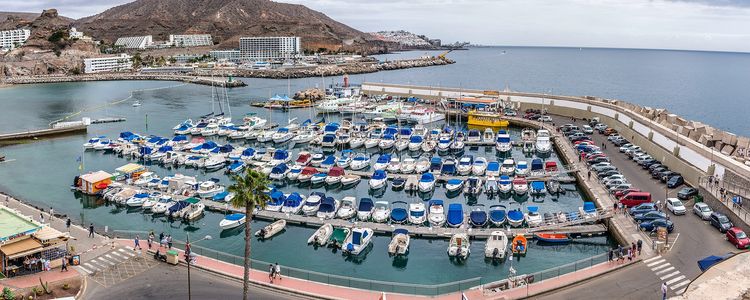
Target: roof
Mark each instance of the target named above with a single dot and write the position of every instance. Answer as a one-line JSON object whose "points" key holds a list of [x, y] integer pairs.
{"points": [[130, 168], [21, 248], [12, 223], [47, 233], [96, 176]]}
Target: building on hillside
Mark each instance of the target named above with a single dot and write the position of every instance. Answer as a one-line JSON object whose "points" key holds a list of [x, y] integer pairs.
{"points": [[120, 63], [135, 42], [270, 48], [75, 34], [27, 246], [225, 55], [10, 39], [436, 42], [190, 40]]}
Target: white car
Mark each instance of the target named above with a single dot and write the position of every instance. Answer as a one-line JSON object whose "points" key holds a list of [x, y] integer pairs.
{"points": [[545, 119], [613, 177], [600, 127], [588, 129], [625, 147], [702, 210], [675, 206]]}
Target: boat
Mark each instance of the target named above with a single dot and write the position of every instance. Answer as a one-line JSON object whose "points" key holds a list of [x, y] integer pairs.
{"points": [[194, 210], [276, 200], [378, 180], [493, 169], [319, 177], [550, 166], [528, 147], [465, 164], [232, 221], [486, 119], [236, 167], [345, 159], [349, 180], [426, 183], [306, 174], [279, 172], [282, 135], [399, 213], [294, 172], [303, 137], [428, 146], [553, 187], [328, 208], [328, 163], [458, 143], [320, 237], [145, 178], [387, 142], [449, 167], [488, 136], [356, 142], [316, 159], [303, 158], [339, 236], [408, 166], [280, 157], [399, 244], [334, 176], [453, 185], [538, 188], [415, 142], [520, 186], [271, 229], [474, 136], [557, 238], [417, 215], [436, 165], [394, 166], [422, 166], [533, 217], [543, 143], [312, 203], [479, 166], [490, 185], [176, 210], [329, 141], [223, 197], [519, 245], [588, 212], [358, 240], [382, 162], [373, 140], [455, 215], [522, 168], [497, 215], [347, 209], [503, 142], [515, 218], [478, 216], [92, 142], [473, 186], [444, 143], [458, 246], [537, 168], [208, 189], [382, 212], [496, 246], [293, 203], [436, 215], [365, 209], [398, 183], [162, 206], [137, 200], [508, 167]]}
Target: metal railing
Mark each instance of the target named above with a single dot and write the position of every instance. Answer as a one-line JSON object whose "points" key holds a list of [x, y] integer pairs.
{"points": [[741, 210]]}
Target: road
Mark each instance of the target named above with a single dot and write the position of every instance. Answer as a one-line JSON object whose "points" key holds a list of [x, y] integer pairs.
{"points": [[693, 240]]}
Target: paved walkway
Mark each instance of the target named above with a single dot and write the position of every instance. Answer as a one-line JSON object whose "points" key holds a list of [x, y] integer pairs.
{"points": [[27, 281]]}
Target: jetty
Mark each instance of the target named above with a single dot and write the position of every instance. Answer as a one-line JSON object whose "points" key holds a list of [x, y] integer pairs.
{"points": [[203, 80], [40, 133]]}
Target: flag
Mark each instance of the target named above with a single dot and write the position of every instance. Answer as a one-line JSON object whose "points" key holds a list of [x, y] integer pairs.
{"points": [[463, 297]]}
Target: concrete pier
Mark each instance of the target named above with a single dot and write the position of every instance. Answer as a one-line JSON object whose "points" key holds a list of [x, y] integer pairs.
{"points": [[40, 133]]}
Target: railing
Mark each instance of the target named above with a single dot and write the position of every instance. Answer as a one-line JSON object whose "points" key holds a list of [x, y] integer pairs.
{"points": [[574, 218], [731, 189]]}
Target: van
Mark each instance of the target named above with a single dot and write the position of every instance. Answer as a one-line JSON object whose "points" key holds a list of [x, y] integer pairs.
{"points": [[635, 198]]}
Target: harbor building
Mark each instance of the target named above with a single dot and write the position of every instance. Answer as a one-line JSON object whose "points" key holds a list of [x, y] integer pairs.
{"points": [[27, 246], [135, 42], [190, 40], [10, 39], [122, 62], [225, 55], [269, 48]]}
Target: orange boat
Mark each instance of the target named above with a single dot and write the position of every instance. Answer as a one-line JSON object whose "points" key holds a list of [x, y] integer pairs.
{"points": [[553, 237], [519, 245]]}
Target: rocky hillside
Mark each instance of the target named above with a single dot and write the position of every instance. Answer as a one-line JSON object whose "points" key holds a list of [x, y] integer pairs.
{"points": [[14, 20], [227, 21]]}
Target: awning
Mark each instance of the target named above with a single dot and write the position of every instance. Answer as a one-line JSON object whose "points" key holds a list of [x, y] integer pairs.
{"points": [[96, 176], [20, 248], [46, 234]]}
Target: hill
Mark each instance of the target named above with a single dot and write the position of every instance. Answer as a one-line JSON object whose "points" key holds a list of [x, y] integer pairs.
{"points": [[13, 20], [227, 21]]}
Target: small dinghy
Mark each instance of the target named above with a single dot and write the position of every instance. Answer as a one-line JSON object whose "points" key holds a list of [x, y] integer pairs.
{"points": [[399, 242], [496, 246], [558, 238], [358, 240], [271, 229], [459, 246], [232, 221], [321, 236], [519, 245]]}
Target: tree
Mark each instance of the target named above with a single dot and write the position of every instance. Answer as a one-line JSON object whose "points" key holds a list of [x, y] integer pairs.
{"points": [[249, 192]]}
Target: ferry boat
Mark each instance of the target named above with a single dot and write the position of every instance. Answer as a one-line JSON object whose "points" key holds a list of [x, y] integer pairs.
{"points": [[486, 119]]}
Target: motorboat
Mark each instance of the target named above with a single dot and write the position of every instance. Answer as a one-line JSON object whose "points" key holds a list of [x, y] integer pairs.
{"points": [[214, 162], [417, 213], [162, 206], [415, 142], [342, 140], [232, 221], [528, 147], [455, 215], [338, 237], [508, 167], [271, 229], [248, 154], [436, 215], [210, 130], [387, 142], [306, 174], [349, 180], [280, 157], [519, 246], [497, 215], [303, 158], [358, 240], [465, 164], [543, 143], [194, 210], [490, 185], [294, 172], [347, 209], [293, 203], [553, 238], [522, 168], [378, 180], [303, 137], [276, 200], [422, 166], [328, 208], [533, 217], [176, 210], [394, 166], [382, 162], [478, 216], [588, 212], [426, 183], [316, 159], [458, 246], [458, 143], [520, 186], [318, 178], [382, 212], [515, 218], [444, 143], [503, 142], [493, 169], [145, 178], [103, 144], [208, 189], [399, 244], [92, 142], [153, 199], [320, 237], [236, 167], [408, 165], [328, 163], [453, 185], [449, 167], [399, 213], [401, 144], [359, 162], [137, 200], [496, 246], [479, 166], [473, 186], [436, 165], [279, 172], [505, 185], [345, 160], [312, 203], [474, 136], [537, 167], [356, 142], [538, 188], [553, 187], [373, 140], [334, 176], [429, 146], [365, 209]]}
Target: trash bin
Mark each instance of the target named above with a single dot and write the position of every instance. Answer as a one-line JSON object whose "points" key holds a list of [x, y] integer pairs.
{"points": [[173, 257]]}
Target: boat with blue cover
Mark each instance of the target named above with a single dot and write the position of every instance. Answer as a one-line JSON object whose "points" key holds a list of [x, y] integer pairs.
{"points": [[358, 240], [478, 216], [378, 179], [365, 209], [515, 218], [454, 184], [276, 200], [382, 162], [426, 183], [436, 165], [449, 167], [399, 214], [293, 203], [455, 215], [493, 169], [232, 221], [497, 215], [538, 188], [328, 208]]}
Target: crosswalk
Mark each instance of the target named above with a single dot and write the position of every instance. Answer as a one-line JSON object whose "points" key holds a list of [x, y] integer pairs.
{"points": [[107, 260], [676, 281]]}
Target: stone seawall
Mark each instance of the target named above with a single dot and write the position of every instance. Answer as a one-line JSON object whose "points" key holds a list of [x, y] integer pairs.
{"points": [[123, 76]]}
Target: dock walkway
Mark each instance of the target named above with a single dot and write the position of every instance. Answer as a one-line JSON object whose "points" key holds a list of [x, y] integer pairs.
{"points": [[47, 132]]}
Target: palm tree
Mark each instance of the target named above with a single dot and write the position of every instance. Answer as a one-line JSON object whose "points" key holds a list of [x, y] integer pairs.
{"points": [[249, 192]]}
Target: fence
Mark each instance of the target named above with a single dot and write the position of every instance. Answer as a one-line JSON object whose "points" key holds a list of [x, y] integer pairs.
{"points": [[732, 189]]}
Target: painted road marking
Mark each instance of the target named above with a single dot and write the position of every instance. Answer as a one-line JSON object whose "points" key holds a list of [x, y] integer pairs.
{"points": [[118, 254], [85, 270], [105, 260], [670, 275], [676, 279], [665, 270], [680, 291], [679, 284], [101, 265], [660, 266], [656, 262], [91, 266], [652, 259]]}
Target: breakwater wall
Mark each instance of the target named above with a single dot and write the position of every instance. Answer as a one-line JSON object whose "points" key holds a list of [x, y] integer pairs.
{"points": [[49, 132], [124, 76]]}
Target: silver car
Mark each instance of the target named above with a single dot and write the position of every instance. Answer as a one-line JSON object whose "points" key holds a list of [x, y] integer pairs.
{"points": [[702, 210]]}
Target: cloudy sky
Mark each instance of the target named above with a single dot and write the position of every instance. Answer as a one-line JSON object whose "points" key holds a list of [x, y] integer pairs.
{"points": [[721, 25]]}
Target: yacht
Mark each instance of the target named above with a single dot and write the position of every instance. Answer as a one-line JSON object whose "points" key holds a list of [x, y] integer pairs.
{"points": [[503, 142], [282, 135], [436, 214], [543, 143], [508, 167]]}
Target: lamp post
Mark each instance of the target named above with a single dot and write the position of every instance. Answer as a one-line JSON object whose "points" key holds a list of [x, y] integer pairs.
{"points": [[188, 260]]}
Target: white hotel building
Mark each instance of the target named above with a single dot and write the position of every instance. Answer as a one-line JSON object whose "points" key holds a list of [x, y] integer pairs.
{"points": [[190, 40], [10, 39], [122, 62], [269, 48], [135, 42]]}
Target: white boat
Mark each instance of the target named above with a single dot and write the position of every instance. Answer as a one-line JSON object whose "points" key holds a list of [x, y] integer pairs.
{"points": [[399, 244], [520, 186], [372, 141], [162, 206], [232, 221], [496, 246], [417, 213], [303, 137], [347, 209], [271, 229], [282, 135], [266, 136], [415, 142], [137, 200], [293, 203], [474, 136], [408, 166], [294, 172], [422, 166], [303, 158], [92, 142], [345, 160], [214, 162], [488, 136], [358, 240], [453, 185], [503, 142], [318, 178], [465, 164], [365, 209], [208, 189], [382, 162], [533, 217], [387, 142], [479, 166], [320, 237], [359, 162], [381, 212], [350, 179], [312, 204], [378, 179], [459, 246], [429, 145], [210, 130], [436, 215], [505, 185], [490, 185], [145, 178], [508, 167], [522, 168], [194, 210], [543, 143], [316, 159], [328, 208], [334, 175], [426, 183], [394, 166], [356, 142]]}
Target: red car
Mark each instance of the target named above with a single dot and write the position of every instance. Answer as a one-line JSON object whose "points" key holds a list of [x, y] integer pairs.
{"points": [[619, 194], [738, 238]]}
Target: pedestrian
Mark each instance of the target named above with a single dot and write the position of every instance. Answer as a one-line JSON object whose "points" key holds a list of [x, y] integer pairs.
{"points": [[41, 218], [611, 255], [150, 240], [639, 245], [630, 255], [169, 242], [161, 238], [271, 272], [137, 243], [277, 271], [67, 224], [663, 291], [64, 266], [632, 246], [91, 230], [621, 207], [657, 205], [163, 242], [579, 157], [589, 174], [51, 213], [614, 207]]}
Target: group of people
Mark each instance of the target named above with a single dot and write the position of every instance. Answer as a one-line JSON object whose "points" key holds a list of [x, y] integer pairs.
{"points": [[628, 253], [274, 272]]}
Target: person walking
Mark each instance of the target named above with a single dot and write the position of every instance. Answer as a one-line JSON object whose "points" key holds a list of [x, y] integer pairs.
{"points": [[632, 247], [277, 271], [51, 213], [162, 242], [91, 230], [663, 291], [41, 218], [639, 245], [150, 240], [137, 243], [611, 255], [67, 224], [169, 242], [589, 174], [271, 272], [615, 207], [630, 255], [64, 266]]}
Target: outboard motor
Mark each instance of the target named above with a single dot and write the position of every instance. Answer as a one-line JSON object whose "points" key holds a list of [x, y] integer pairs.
{"points": [[495, 252]]}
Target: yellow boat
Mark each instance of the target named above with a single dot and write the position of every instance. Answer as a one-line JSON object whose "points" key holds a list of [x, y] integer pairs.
{"points": [[486, 119]]}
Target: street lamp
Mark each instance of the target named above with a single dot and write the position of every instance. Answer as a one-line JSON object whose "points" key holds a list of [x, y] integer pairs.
{"points": [[188, 260]]}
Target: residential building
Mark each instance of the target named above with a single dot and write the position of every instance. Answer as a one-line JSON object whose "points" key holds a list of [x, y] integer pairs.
{"points": [[225, 55], [120, 63], [75, 34], [10, 39], [269, 48], [404, 38], [190, 40], [135, 42]]}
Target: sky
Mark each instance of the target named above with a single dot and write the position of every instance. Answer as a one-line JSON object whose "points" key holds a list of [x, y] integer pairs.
{"points": [[718, 25]]}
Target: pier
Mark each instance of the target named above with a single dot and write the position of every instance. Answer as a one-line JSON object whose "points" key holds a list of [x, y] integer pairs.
{"points": [[203, 80], [40, 133]]}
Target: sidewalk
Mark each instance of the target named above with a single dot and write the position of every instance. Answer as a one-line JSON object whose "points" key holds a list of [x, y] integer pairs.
{"points": [[32, 280]]}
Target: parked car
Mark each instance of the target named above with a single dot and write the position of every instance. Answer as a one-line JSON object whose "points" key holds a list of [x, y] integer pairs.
{"points": [[642, 208], [653, 224], [607, 173], [597, 159], [620, 187], [720, 221], [545, 119], [625, 147], [615, 182], [635, 198], [656, 165], [613, 177], [612, 137], [738, 238], [675, 206], [667, 176], [620, 141], [652, 215], [588, 129], [662, 176], [601, 166], [647, 163], [675, 181], [610, 131], [656, 173], [619, 194], [601, 127], [702, 210], [687, 192]]}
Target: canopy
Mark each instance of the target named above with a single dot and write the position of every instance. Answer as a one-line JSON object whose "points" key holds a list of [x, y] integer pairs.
{"points": [[379, 174], [220, 196], [329, 160], [533, 209], [436, 202], [400, 231], [536, 164], [537, 185], [455, 214], [165, 149], [336, 171], [280, 154], [248, 152], [21, 248], [328, 204], [384, 158], [415, 139], [192, 200], [455, 181], [427, 177], [365, 204], [493, 166], [497, 214], [279, 169], [277, 198], [478, 216], [96, 176], [398, 214], [707, 262], [328, 138], [280, 98], [358, 235], [234, 217], [589, 207], [515, 215], [293, 200], [179, 138]]}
